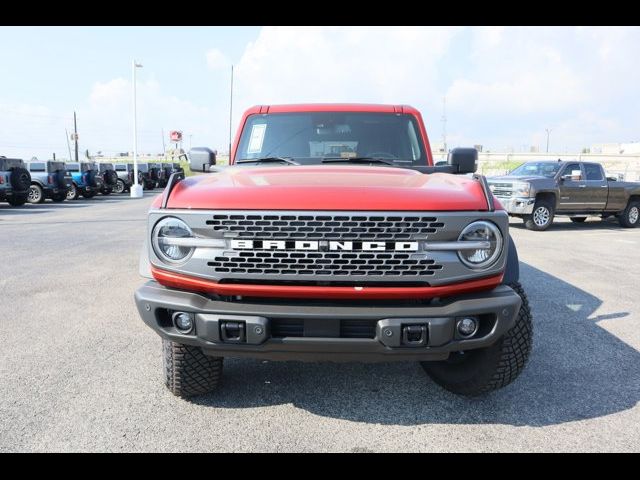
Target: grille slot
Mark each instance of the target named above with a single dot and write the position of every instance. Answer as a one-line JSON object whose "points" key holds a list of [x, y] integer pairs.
{"points": [[343, 227], [502, 189], [286, 327], [339, 264]]}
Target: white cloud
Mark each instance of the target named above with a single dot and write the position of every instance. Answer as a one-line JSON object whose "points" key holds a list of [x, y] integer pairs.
{"points": [[216, 59]]}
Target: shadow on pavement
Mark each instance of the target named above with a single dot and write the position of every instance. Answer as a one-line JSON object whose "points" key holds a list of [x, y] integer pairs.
{"points": [[577, 370]]}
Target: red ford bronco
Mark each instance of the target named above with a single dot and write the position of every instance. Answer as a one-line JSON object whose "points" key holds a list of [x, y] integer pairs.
{"points": [[333, 236]]}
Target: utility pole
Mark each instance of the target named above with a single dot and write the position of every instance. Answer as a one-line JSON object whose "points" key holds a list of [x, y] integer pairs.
{"points": [[548, 130], [75, 134], [66, 134], [444, 124], [164, 150], [230, 111]]}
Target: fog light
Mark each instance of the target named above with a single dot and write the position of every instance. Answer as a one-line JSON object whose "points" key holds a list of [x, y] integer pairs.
{"points": [[467, 327], [183, 321]]}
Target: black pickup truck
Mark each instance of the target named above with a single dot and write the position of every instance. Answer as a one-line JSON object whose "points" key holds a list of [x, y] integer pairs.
{"points": [[537, 191]]}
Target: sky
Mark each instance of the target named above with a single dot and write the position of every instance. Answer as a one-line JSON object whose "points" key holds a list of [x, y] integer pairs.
{"points": [[503, 86]]}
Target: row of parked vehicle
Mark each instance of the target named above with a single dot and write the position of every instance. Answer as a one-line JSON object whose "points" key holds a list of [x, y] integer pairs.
{"points": [[34, 182]]}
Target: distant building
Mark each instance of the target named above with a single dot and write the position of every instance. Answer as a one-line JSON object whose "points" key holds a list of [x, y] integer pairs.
{"points": [[632, 148]]}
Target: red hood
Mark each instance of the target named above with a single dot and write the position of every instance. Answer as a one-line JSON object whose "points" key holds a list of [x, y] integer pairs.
{"points": [[341, 187]]}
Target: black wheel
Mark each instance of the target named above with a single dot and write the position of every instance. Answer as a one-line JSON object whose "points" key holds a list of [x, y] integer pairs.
{"points": [[630, 217], [89, 195], [119, 186], [542, 216], [59, 197], [477, 372], [35, 195], [188, 371], [578, 219], [72, 193], [17, 200]]}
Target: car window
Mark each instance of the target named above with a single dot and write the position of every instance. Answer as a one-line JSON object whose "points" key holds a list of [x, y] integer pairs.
{"points": [[73, 167], [37, 167], [571, 167], [593, 171], [121, 168]]}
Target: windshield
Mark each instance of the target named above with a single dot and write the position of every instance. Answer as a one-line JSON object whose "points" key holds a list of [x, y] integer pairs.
{"points": [[310, 137], [537, 169]]}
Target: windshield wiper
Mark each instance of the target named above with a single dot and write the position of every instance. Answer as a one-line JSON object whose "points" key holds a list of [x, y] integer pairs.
{"points": [[354, 160], [286, 160]]}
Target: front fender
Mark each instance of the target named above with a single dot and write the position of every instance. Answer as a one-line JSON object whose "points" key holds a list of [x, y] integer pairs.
{"points": [[512, 270]]}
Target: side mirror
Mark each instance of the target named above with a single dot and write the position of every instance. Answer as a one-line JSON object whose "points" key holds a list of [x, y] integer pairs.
{"points": [[464, 160], [201, 159], [575, 176]]}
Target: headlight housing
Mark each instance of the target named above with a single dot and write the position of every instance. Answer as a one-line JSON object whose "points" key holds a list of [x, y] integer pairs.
{"points": [[165, 240], [481, 258], [521, 189]]}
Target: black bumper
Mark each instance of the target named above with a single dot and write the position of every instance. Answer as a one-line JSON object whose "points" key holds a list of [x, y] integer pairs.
{"points": [[496, 309]]}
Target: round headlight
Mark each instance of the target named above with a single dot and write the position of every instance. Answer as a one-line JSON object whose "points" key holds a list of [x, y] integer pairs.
{"points": [[165, 240], [487, 233]]}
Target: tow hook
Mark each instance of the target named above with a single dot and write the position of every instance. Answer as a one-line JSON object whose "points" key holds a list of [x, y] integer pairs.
{"points": [[414, 335], [232, 332]]}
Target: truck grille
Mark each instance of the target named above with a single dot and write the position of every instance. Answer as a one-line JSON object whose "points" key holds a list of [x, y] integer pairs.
{"points": [[344, 227], [342, 264], [286, 327], [502, 189]]}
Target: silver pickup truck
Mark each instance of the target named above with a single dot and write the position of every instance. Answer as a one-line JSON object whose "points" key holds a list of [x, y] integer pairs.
{"points": [[538, 191]]}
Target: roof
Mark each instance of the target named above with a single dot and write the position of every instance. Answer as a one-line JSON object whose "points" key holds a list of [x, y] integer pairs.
{"points": [[332, 107]]}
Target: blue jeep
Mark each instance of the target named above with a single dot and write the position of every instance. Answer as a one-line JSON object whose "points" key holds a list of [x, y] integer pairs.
{"points": [[86, 180], [48, 180], [14, 181]]}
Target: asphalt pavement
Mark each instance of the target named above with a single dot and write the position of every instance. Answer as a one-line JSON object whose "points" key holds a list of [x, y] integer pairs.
{"points": [[79, 371]]}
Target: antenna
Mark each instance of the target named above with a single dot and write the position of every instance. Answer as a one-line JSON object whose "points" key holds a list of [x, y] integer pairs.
{"points": [[230, 111], [444, 124]]}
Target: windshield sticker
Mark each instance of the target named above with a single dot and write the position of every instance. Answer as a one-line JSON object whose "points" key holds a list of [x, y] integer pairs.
{"points": [[256, 138]]}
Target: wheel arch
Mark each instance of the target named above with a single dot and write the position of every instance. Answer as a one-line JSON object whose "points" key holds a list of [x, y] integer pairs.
{"points": [[512, 269]]}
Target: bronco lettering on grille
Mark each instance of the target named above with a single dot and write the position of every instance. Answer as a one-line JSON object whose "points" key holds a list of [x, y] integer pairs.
{"points": [[323, 245]]}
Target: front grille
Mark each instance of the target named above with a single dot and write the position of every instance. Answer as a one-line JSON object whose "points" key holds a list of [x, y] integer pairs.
{"points": [[502, 189], [344, 227], [286, 327], [343, 264]]}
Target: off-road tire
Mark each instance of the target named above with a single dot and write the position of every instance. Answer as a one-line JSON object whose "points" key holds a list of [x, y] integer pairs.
{"points": [[58, 197], [17, 200], [532, 222], [188, 371], [35, 194], [578, 219], [630, 217], [119, 186], [478, 372], [73, 193], [20, 179]]}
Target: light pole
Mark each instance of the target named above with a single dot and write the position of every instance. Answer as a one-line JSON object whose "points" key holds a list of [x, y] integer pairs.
{"points": [[548, 130], [136, 189]]}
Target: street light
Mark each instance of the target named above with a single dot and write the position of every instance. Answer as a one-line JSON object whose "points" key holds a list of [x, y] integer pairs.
{"points": [[136, 189], [548, 130]]}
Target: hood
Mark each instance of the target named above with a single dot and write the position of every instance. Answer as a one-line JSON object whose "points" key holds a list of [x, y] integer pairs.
{"points": [[516, 178], [313, 187]]}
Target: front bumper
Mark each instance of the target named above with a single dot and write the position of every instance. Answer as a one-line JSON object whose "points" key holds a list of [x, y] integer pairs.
{"points": [[322, 337], [517, 205]]}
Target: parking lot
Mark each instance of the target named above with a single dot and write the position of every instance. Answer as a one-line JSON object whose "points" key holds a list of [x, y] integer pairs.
{"points": [[80, 371]]}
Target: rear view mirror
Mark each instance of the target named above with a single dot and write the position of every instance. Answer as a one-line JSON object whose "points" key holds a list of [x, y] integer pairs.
{"points": [[464, 160], [201, 159]]}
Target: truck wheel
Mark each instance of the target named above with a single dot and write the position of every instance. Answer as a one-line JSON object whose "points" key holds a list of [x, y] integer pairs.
{"points": [[72, 193], [630, 217], [188, 371], [89, 195], [58, 197], [578, 219], [477, 372], [542, 216], [17, 200], [35, 195], [119, 186]]}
